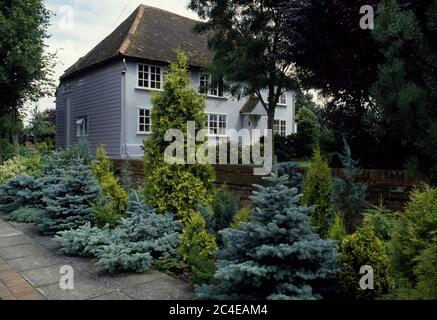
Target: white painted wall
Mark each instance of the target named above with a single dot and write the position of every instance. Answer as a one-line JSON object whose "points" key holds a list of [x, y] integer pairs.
{"points": [[135, 98]]}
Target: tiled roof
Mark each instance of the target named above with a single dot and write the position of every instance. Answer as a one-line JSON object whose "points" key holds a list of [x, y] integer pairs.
{"points": [[250, 105], [152, 34]]}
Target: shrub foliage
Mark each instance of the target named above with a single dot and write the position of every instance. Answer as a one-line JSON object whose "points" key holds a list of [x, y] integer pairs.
{"points": [[276, 255], [363, 248], [317, 192]]}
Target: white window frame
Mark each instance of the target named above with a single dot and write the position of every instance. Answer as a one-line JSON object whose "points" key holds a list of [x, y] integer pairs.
{"points": [[280, 127], [139, 132], [66, 88], [209, 121], [81, 127], [210, 91], [148, 83], [284, 101]]}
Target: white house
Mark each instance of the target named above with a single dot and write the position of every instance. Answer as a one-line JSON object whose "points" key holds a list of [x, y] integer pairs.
{"points": [[105, 96]]}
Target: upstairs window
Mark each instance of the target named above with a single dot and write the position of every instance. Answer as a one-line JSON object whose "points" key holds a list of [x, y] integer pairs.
{"points": [[67, 88], [150, 77], [82, 127], [280, 128], [207, 88], [144, 121], [283, 99], [217, 124]]}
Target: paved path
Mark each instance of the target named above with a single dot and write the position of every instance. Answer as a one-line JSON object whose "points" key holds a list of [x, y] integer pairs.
{"points": [[30, 269]]}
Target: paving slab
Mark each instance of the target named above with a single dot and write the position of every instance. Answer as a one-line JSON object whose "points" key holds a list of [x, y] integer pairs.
{"points": [[19, 225], [14, 286], [87, 265], [45, 276], [168, 289], [32, 263], [47, 242], [85, 287], [7, 231], [126, 280], [115, 295], [21, 251], [14, 240], [30, 270]]}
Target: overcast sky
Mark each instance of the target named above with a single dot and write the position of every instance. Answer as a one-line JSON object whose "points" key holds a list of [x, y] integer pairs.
{"points": [[78, 25]]}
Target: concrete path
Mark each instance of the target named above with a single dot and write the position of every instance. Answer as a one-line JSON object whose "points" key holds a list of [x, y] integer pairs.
{"points": [[30, 266]]}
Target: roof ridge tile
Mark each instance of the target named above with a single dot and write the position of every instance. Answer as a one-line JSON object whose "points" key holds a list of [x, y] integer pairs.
{"points": [[127, 41]]}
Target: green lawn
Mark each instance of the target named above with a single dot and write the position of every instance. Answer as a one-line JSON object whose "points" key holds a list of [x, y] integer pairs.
{"points": [[303, 163]]}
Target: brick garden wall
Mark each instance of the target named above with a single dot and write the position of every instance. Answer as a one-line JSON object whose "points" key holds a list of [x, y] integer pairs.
{"points": [[137, 167], [393, 187]]}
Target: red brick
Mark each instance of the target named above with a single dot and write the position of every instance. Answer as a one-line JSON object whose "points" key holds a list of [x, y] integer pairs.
{"points": [[34, 296], [11, 275]]}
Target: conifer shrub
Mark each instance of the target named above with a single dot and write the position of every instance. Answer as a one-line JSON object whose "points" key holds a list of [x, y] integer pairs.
{"points": [[20, 165], [296, 179], [337, 231], [221, 215], [83, 241], [176, 190], [276, 255], [381, 221], [121, 256], [141, 237], [414, 239], [225, 207], [198, 248], [349, 195], [173, 266], [24, 215], [18, 190], [361, 249], [126, 176], [80, 150], [104, 213], [112, 203], [179, 187], [426, 273], [68, 202], [317, 192], [242, 216]]}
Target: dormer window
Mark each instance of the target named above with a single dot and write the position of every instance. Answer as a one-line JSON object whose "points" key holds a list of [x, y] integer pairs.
{"points": [[150, 77], [207, 88]]}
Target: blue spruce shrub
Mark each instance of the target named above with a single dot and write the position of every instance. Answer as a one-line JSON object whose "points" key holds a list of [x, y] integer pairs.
{"points": [[276, 255], [225, 207], [349, 196], [220, 216], [69, 200], [83, 241], [140, 238], [21, 189], [296, 178], [24, 215]]}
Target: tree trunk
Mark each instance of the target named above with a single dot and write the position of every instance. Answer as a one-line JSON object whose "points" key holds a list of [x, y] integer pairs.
{"points": [[15, 142], [1, 148], [14, 133], [271, 124]]}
